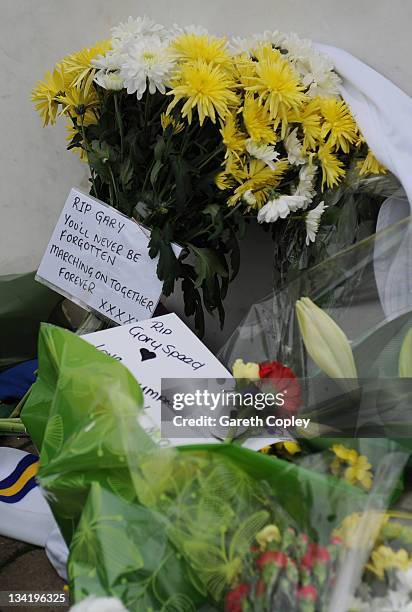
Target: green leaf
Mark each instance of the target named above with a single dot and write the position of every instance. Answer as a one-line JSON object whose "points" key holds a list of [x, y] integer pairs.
{"points": [[208, 263], [158, 165], [126, 173]]}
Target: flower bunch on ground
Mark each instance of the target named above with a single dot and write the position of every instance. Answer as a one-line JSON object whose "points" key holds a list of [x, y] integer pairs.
{"points": [[285, 571], [191, 135], [272, 377], [387, 578]]}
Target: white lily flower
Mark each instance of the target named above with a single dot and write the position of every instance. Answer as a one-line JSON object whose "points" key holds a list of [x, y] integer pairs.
{"points": [[294, 149], [312, 221], [265, 153], [280, 208], [99, 604], [325, 341]]}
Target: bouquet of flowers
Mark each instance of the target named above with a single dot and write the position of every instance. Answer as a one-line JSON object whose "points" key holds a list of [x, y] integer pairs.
{"points": [[201, 527], [193, 135]]}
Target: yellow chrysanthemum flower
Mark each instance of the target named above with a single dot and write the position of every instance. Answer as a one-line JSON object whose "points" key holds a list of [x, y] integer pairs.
{"points": [[332, 168], [290, 447], [229, 177], [46, 94], [277, 85], [370, 165], [245, 68], [205, 87], [359, 473], [224, 181], [167, 120], [310, 119], [349, 455], [257, 177], [78, 65], [257, 122], [384, 558], [191, 47], [268, 534], [79, 99], [233, 138], [338, 124]]}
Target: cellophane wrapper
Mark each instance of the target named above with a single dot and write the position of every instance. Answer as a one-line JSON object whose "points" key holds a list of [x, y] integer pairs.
{"points": [[201, 527]]}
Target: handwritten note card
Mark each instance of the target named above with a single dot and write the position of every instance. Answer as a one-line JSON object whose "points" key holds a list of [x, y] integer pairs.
{"points": [[156, 348], [99, 258]]}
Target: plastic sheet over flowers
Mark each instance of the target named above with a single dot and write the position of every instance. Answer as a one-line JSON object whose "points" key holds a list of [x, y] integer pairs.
{"points": [[201, 527]]}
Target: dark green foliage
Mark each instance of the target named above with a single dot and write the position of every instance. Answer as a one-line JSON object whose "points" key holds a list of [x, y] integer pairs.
{"points": [[166, 181]]}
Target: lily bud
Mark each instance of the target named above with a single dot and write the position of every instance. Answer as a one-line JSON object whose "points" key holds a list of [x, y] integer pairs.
{"points": [[324, 340], [405, 356]]}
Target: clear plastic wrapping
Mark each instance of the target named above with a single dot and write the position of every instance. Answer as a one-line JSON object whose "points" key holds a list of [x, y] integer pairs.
{"points": [[201, 527]]}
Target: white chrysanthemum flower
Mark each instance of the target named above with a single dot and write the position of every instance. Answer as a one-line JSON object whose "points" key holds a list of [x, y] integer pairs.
{"points": [[325, 86], [110, 79], [249, 197], [99, 604], [178, 30], [312, 221], [317, 74], [239, 45], [147, 64], [297, 48], [306, 186], [280, 208], [294, 149], [274, 37], [111, 61], [265, 153], [134, 28]]}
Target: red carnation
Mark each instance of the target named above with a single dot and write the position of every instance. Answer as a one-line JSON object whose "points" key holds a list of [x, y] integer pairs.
{"points": [[272, 556], [322, 555], [307, 561], [235, 598], [308, 592], [284, 381]]}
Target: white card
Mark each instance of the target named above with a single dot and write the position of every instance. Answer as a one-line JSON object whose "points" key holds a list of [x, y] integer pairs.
{"points": [[164, 347], [99, 258], [159, 347]]}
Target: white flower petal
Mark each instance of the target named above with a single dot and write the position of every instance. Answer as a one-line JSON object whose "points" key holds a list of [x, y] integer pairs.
{"points": [[312, 221]]}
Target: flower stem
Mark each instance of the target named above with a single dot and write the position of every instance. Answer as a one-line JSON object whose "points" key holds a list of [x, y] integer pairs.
{"points": [[119, 123]]}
